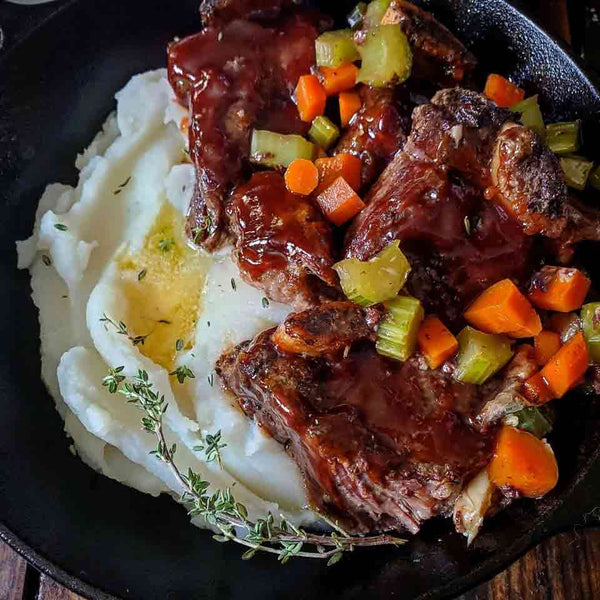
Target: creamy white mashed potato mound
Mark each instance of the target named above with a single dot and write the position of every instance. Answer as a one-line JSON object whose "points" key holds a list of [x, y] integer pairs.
{"points": [[113, 249]]}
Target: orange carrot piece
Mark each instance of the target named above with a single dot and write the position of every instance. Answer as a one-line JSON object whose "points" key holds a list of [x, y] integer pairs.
{"points": [[339, 202], [350, 104], [502, 91], [436, 342], [343, 165], [310, 97], [301, 177], [339, 79], [523, 462], [536, 390], [567, 366], [559, 288], [545, 345], [503, 309]]}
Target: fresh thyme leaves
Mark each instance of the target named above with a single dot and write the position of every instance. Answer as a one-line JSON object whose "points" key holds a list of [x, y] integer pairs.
{"points": [[199, 231], [265, 302], [120, 188], [166, 244], [182, 372], [179, 345], [233, 284], [142, 274], [208, 323], [113, 379], [211, 444], [60, 227], [122, 330], [211, 379], [46, 260], [220, 508]]}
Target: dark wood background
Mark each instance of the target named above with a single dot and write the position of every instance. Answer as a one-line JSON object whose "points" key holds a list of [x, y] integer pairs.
{"points": [[566, 567]]}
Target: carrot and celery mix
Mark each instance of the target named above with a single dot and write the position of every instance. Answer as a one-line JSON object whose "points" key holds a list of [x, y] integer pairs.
{"points": [[545, 315]]}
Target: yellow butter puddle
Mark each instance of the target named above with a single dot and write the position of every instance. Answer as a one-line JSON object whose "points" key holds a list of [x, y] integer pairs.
{"points": [[163, 285]]}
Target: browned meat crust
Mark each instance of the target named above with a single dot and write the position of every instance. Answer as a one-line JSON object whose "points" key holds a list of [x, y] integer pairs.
{"points": [[464, 131], [438, 55], [220, 12], [284, 244], [378, 130], [457, 243], [327, 329], [234, 79], [381, 444]]}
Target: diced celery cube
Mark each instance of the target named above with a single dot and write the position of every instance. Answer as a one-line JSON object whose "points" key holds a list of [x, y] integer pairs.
{"points": [[332, 48], [397, 334], [590, 319], [278, 150], [375, 11], [576, 170], [563, 138], [531, 115], [323, 132]]}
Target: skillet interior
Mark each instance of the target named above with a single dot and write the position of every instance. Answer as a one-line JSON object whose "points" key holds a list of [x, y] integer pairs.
{"points": [[55, 91]]}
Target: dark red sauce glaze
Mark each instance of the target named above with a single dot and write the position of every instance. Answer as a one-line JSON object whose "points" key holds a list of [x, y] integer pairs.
{"points": [[381, 444], [457, 243], [234, 79], [284, 244]]}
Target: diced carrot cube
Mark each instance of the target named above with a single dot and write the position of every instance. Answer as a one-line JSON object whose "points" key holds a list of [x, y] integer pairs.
{"points": [[339, 202]]}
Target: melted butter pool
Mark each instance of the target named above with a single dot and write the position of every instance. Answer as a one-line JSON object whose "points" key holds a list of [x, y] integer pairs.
{"points": [[163, 284]]}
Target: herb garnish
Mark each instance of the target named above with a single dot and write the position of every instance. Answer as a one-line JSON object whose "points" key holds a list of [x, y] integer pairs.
{"points": [[183, 372], [199, 231], [122, 330], [46, 260], [220, 507], [179, 345], [166, 245], [120, 188], [233, 284], [142, 274], [265, 302], [211, 444], [60, 227]]}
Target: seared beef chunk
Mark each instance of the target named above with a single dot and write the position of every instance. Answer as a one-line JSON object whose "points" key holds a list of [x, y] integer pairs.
{"points": [[470, 134], [382, 444], [583, 224], [457, 243], [530, 181], [234, 79], [326, 329], [378, 130], [438, 55], [283, 243], [221, 12]]}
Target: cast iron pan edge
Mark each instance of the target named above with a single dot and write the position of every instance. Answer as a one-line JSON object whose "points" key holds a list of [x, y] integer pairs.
{"points": [[557, 514]]}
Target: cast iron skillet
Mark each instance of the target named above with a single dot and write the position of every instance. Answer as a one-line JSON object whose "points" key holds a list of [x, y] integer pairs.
{"points": [[91, 533]]}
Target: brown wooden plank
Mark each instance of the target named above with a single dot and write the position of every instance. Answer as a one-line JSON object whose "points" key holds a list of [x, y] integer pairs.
{"points": [[12, 574], [50, 590], [566, 567]]}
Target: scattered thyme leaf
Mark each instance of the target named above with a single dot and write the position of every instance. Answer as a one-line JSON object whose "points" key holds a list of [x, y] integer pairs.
{"points": [[166, 245], [142, 274], [164, 321], [211, 379], [121, 329], [208, 323], [233, 284], [60, 227], [125, 182], [179, 345], [265, 302], [46, 260], [182, 372]]}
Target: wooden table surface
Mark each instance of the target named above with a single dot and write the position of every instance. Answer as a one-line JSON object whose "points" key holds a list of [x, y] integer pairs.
{"points": [[565, 567]]}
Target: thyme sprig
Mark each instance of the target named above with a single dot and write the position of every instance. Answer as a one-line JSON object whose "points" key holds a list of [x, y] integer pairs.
{"points": [[211, 445], [121, 329], [220, 508], [182, 372]]}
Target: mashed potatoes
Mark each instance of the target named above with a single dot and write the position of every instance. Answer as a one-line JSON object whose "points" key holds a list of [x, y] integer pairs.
{"points": [[113, 250]]}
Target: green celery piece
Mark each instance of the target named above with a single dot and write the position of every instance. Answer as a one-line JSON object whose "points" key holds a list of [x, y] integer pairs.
{"points": [[590, 318], [531, 115], [397, 333], [386, 56], [480, 355], [594, 179], [375, 11], [563, 138], [533, 420], [356, 16], [375, 280], [576, 170], [278, 150], [323, 132], [332, 48]]}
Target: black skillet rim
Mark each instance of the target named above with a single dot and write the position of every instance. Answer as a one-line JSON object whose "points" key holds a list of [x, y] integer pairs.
{"points": [[548, 527]]}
